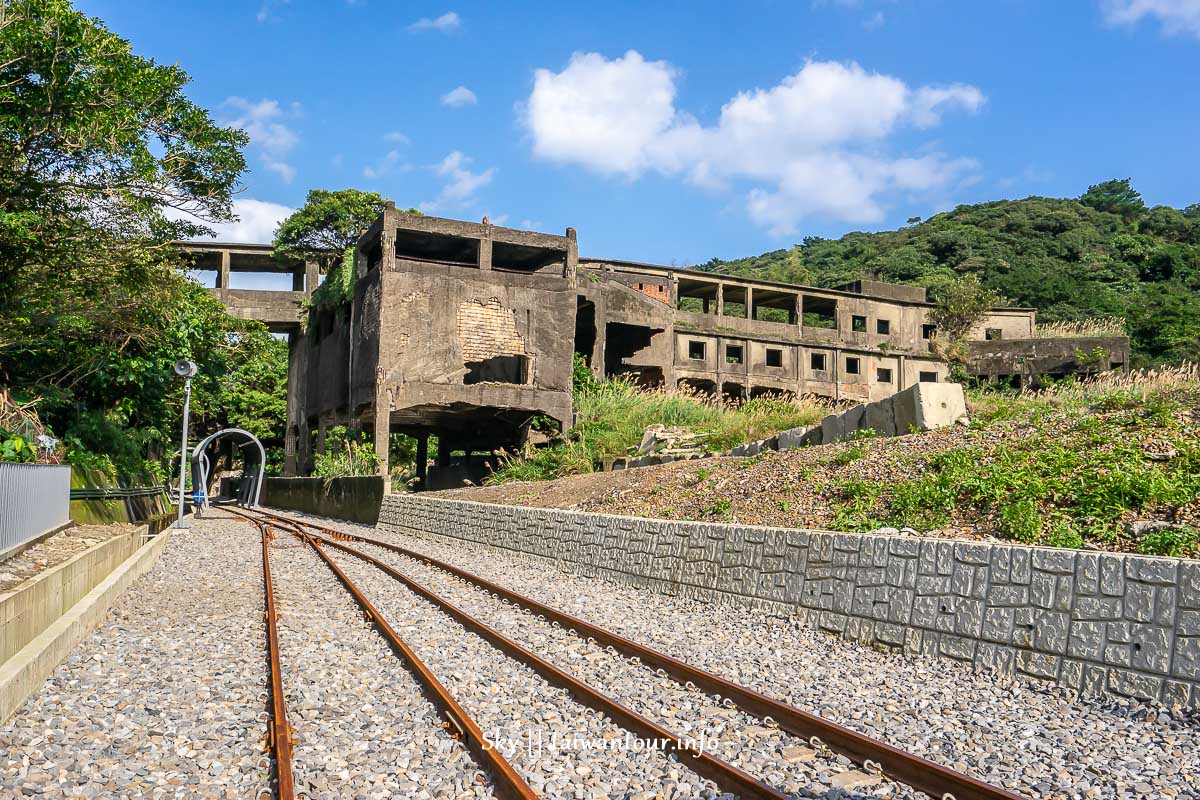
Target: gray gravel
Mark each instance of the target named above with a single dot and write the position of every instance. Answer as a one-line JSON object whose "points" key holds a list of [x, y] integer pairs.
{"points": [[1034, 738], [363, 727], [162, 699], [519, 710]]}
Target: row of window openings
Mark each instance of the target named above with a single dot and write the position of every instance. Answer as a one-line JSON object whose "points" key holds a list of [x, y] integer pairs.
{"points": [[736, 354]]}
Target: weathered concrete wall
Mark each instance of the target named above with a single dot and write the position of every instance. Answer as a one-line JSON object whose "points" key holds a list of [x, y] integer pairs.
{"points": [[351, 499], [1028, 358], [28, 610], [1096, 622], [23, 673]]}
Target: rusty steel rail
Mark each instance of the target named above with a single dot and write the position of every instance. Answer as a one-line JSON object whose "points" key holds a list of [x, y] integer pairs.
{"points": [[904, 767], [725, 775], [508, 783], [279, 731]]}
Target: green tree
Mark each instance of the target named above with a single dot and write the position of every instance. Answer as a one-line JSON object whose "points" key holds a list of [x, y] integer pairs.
{"points": [[101, 157], [1069, 259], [959, 305], [327, 225], [326, 228], [95, 144], [1115, 197]]}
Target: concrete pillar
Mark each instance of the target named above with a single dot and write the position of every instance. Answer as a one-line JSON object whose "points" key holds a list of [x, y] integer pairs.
{"points": [[443, 452], [749, 302], [485, 253], [311, 276], [298, 279], [321, 427], [572, 255], [422, 464], [223, 271], [674, 292], [720, 299], [383, 435], [292, 413], [798, 311]]}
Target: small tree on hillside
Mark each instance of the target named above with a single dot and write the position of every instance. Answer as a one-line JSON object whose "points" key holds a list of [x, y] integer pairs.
{"points": [[1115, 197], [959, 305]]}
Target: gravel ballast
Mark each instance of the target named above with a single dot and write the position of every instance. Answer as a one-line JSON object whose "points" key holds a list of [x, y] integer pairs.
{"points": [[363, 727], [162, 700], [762, 750], [1033, 738]]}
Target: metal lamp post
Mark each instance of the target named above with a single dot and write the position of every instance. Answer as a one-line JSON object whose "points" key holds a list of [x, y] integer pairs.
{"points": [[186, 370]]}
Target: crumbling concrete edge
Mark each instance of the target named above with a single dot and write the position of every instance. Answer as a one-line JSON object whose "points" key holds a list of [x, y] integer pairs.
{"points": [[25, 672]]}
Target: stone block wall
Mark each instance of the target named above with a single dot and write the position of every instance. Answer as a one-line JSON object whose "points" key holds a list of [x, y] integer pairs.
{"points": [[1095, 622]]}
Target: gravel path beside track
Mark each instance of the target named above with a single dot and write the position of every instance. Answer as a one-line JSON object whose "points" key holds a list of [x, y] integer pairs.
{"points": [[1030, 737], [162, 699], [363, 727]]}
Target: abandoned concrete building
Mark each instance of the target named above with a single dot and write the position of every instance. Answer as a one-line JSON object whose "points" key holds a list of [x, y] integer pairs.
{"points": [[467, 332]]}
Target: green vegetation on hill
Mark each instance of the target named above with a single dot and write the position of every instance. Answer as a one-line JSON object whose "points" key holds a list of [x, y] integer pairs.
{"points": [[1104, 254], [1111, 463]]}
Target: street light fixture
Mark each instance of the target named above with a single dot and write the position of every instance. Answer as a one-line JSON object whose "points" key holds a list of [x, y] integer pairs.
{"points": [[186, 370]]}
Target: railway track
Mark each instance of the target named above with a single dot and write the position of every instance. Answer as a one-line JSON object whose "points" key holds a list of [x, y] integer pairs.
{"points": [[875, 760]]}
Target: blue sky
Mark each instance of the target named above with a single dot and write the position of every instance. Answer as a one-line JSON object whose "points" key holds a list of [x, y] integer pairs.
{"points": [[674, 132]]}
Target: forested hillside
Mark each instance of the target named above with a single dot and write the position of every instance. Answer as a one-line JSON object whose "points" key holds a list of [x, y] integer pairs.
{"points": [[1103, 254]]}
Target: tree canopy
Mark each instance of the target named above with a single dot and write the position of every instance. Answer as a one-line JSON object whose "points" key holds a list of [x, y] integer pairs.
{"points": [[327, 228], [1103, 255], [328, 224], [103, 160]]}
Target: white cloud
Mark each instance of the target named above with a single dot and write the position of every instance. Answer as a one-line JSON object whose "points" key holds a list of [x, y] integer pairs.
{"points": [[812, 144], [458, 97], [269, 135], [257, 221], [450, 21], [395, 136], [389, 163], [461, 184], [1175, 16]]}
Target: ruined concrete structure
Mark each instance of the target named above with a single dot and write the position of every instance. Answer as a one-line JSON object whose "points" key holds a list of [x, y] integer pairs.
{"points": [[467, 331], [281, 310]]}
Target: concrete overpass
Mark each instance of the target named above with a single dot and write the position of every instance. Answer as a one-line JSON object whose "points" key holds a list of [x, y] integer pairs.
{"points": [[280, 310]]}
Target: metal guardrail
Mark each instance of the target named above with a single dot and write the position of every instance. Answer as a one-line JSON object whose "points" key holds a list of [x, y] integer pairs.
{"points": [[34, 499], [115, 492]]}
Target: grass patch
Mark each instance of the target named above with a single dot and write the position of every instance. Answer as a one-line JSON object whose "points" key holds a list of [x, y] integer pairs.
{"points": [[1058, 467]]}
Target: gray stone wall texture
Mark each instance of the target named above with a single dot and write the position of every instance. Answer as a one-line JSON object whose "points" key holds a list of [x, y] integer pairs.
{"points": [[1096, 622]]}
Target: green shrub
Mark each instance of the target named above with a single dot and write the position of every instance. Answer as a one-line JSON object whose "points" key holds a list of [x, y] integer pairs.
{"points": [[1177, 542]]}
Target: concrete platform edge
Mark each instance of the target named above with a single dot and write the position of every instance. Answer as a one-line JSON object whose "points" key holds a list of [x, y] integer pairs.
{"points": [[25, 672]]}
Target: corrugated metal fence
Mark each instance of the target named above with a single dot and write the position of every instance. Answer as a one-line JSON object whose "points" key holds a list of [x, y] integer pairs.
{"points": [[34, 498]]}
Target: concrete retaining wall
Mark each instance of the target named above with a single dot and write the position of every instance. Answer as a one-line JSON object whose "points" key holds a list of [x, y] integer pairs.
{"points": [[1096, 622], [27, 668], [351, 499], [29, 609]]}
